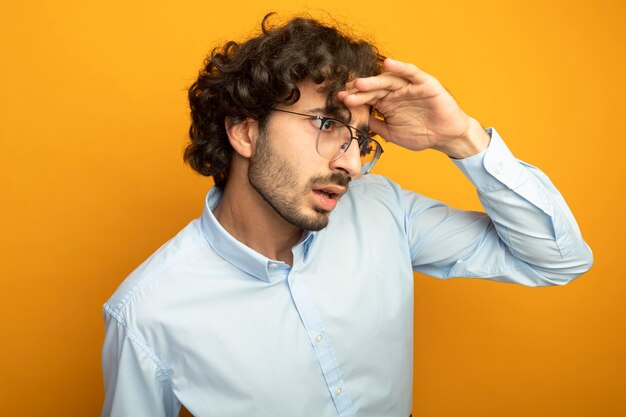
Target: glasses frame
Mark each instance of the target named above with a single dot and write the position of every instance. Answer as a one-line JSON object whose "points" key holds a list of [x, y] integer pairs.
{"points": [[343, 149]]}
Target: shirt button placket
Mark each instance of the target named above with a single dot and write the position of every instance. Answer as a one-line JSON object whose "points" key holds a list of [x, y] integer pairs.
{"points": [[321, 346]]}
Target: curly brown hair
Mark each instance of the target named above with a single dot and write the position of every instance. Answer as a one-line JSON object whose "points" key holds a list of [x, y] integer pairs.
{"points": [[246, 80]]}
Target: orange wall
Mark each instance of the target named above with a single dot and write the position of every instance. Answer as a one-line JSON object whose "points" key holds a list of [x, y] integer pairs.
{"points": [[93, 119]]}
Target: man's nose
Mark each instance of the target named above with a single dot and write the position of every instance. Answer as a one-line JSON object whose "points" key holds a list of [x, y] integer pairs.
{"points": [[350, 161]]}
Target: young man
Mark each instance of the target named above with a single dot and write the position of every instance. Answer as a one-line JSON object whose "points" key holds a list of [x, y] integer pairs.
{"points": [[292, 294]]}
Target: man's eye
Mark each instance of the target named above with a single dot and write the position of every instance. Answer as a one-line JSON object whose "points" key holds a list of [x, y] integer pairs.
{"points": [[326, 125]]}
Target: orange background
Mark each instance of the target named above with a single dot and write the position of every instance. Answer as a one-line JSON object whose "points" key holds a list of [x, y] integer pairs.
{"points": [[93, 120]]}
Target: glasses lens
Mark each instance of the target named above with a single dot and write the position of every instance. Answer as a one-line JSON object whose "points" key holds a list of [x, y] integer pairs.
{"points": [[334, 138], [370, 150]]}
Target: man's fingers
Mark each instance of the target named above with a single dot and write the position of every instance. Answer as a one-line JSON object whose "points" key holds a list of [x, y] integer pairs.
{"points": [[363, 97], [397, 76], [371, 89], [406, 70], [384, 81], [349, 88]]}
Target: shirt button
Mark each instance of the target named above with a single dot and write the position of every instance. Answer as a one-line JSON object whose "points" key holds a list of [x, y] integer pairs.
{"points": [[498, 168], [338, 391], [319, 338]]}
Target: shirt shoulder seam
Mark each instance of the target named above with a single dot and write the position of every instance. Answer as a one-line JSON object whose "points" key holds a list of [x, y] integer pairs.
{"points": [[135, 339], [148, 277]]}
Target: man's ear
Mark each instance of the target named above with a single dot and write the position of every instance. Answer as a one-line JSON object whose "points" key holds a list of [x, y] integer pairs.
{"points": [[242, 136]]}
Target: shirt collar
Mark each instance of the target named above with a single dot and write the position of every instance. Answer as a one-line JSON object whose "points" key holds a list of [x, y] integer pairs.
{"points": [[238, 254]]}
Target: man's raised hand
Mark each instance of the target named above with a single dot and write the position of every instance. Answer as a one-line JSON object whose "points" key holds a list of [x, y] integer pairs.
{"points": [[418, 111]]}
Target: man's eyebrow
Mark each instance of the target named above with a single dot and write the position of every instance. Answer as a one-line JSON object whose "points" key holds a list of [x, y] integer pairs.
{"points": [[325, 111], [364, 127]]}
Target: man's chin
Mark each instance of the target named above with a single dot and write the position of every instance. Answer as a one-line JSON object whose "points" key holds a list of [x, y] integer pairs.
{"points": [[319, 222], [313, 222]]}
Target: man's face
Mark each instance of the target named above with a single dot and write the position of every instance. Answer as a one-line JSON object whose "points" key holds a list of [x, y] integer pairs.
{"points": [[286, 170]]}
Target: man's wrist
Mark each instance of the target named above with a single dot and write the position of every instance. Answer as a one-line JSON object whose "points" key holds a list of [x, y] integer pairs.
{"points": [[474, 141]]}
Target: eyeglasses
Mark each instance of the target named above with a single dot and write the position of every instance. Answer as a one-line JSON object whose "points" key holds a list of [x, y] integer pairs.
{"points": [[334, 138]]}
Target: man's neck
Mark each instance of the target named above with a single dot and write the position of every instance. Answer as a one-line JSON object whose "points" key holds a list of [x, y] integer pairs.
{"points": [[244, 214]]}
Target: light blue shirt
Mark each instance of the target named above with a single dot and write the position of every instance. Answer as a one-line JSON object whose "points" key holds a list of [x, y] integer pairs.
{"points": [[211, 324]]}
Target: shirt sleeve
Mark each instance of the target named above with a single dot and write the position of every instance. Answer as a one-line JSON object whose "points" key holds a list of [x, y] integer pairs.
{"points": [[527, 236], [135, 382]]}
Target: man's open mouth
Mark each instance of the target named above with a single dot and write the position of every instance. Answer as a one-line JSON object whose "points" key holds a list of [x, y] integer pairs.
{"points": [[326, 197], [327, 194]]}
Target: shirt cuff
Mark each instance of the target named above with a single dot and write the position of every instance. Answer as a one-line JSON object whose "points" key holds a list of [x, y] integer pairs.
{"points": [[494, 168]]}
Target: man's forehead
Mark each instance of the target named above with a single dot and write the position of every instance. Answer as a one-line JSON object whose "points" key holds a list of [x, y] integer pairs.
{"points": [[314, 100]]}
